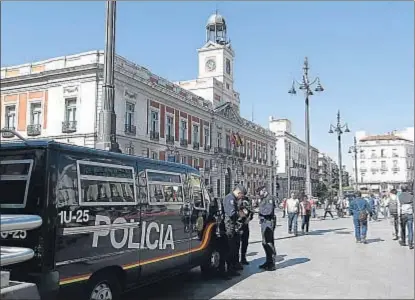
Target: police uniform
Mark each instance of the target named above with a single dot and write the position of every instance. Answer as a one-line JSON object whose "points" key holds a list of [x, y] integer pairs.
{"points": [[267, 220], [246, 205], [230, 206]]}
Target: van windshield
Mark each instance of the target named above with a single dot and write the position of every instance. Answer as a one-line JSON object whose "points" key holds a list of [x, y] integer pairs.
{"points": [[14, 182]]}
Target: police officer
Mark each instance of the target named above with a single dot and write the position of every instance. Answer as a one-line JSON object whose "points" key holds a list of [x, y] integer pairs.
{"points": [[267, 219], [245, 216], [230, 206]]}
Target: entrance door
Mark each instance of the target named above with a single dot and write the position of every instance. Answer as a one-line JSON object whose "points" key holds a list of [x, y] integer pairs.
{"points": [[228, 181]]}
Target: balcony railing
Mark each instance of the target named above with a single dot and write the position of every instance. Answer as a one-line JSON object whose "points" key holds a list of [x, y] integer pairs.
{"points": [[69, 126], [383, 169], [183, 143], [206, 148], [170, 139], [218, 150], [395, 169], [130, 129], [34, 129], [154, 135], [196, 146], [8, 135]]}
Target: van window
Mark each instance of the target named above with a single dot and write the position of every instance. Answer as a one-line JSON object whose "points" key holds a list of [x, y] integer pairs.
{"points": [[196, 191], [142, 187], [14, 182], [164, 188], [106, 184]]}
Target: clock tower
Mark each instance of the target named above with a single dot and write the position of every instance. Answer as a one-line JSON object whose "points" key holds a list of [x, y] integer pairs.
{"points": [[216, 57]]}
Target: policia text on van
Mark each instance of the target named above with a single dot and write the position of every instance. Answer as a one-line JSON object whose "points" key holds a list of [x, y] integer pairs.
{"points": [[110, 222]]}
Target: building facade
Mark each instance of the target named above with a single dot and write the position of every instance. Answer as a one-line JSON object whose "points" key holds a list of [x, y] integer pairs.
{"points": [[384, 161], [328, 173], [61, 98], [291, 160]]}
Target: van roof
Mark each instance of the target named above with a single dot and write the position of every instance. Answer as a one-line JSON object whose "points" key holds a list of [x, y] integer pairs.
{"points": [[69, 147]]}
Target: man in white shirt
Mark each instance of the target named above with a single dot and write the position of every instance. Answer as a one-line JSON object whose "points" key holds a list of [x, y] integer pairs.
{"points": [[292, 209]]}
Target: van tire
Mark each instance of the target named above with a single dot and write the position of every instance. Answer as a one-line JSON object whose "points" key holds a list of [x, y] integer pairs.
{"points": [[103, 286], [210, 266]]}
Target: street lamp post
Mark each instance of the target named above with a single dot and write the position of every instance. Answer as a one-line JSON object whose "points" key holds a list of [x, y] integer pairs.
{"points": [[355, 149], [339, 130], [306, 85], [107, 138]]}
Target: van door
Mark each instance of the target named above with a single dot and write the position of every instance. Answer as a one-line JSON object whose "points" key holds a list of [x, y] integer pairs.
{"points": [[198, 236]]}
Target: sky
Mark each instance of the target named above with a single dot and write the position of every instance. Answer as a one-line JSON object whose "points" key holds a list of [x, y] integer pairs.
{"points": [[362, 51]]}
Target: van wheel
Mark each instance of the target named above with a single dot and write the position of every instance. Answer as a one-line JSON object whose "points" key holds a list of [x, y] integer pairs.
{"points": [[103, 287], [212, 262]]}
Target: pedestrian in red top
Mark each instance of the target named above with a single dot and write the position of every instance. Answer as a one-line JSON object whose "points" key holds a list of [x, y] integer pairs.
{"points": [[284, 205], [305, 213]]}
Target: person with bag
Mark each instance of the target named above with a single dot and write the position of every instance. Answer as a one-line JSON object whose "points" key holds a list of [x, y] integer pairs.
{"points": [[406, 216], [392, 205], [305, 213], [360, 210]]}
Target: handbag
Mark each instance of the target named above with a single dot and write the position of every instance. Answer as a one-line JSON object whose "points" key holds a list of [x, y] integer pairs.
{"points": [[362, 214]]}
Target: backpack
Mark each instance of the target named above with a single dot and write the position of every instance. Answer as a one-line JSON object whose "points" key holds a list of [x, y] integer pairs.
{"points": [[307, 207]]}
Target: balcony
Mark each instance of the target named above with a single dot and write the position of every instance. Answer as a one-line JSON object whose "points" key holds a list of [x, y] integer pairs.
{"points": [[254, 159], [170, 139], [183, 143], [206, 148], [154, 135], [69, 126], [8, 135], [196, 145], [34, 129], [384, 169], [363, 169], [395, 169], [374, 169], [130, 129], [218, 150]]}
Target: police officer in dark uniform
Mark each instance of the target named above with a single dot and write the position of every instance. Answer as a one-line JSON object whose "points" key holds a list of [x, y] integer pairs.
{"points": [[246, 214], [230, 206], [267, 219]]}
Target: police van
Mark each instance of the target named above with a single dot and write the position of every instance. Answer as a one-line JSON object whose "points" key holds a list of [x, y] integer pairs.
{"points": [[110, 222]]}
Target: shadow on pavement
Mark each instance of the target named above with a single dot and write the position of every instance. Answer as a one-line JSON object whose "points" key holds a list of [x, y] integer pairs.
{"points": [[192, 285], [343, 232], [292, 262], [323, 231], [252, 253], [376, 240]]}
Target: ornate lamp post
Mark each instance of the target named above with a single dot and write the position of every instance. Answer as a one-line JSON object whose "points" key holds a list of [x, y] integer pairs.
{"points": [[306, 85], [339, 130], [107, 136], [355, 149]]}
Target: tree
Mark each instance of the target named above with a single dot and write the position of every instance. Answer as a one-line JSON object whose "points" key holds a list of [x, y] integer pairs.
{"points": [[322, 191]]}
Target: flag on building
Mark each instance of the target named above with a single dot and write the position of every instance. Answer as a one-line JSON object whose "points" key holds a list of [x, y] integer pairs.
{"points": [[239, 139]]}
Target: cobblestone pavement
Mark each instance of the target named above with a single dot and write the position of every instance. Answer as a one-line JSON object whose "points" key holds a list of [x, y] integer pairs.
{"points": [[327, 263]]}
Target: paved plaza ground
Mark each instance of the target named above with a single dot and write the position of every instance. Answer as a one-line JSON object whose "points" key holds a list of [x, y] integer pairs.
{"points": [[327, 263]]}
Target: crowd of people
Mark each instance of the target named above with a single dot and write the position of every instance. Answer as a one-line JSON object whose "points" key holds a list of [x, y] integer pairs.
{"points": [[238, 212]]}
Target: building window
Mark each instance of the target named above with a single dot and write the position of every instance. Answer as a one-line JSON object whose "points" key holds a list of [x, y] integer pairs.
{"points": [[382, 153], [129, 114], [183, 130], [207, 133], [169, 126], [10, 116], [35, 113], [249, 148], [383, 164], [154, 155], [219, 139], [228, 142], [255, 151], [227, 86], [195, 162], [183, 160], [70, 110], [373, 155], [394, 153], [196, 134], [395, 163], [154, 121]]}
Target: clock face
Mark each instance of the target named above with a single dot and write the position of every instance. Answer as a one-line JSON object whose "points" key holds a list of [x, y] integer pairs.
{"points": [[210, 65], [228, 66]]}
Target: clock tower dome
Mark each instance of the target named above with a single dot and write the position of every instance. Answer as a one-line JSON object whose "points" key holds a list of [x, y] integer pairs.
{"points": [[216, 57]]}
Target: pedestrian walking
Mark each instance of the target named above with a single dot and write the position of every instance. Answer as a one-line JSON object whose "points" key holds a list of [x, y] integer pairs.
{"points": [[313, 203], [267, 220], [360, 210], [230, 206], [406, 213], [305, 213], [327, 209], [246, 214], [392, 205], [292, 209], [284, 205]]}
